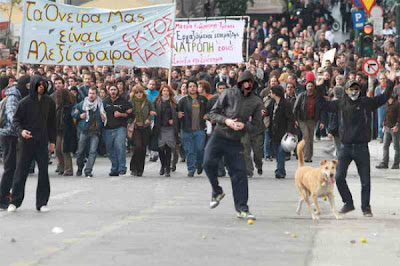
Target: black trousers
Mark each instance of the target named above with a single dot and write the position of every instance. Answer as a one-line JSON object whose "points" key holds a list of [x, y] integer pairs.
{"points": [[359, 153], [232, 151], [29, 150], [9, 145], [141, 138], [165, 154]]}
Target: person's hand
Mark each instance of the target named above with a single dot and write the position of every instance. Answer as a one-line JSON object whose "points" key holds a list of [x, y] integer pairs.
{"points": [[147, 122], [250, 118], [171, 122], [205, 117], [239, 125], [76, 111], [83, 116], [103, 118], [263, 113], [26, 134], [383, 129], [234, 124], [321, 126], [181, 114], [129, 111], [152, 113], [330, 136], [51, 147], [296, 124], [395, 129], [117, 114]]}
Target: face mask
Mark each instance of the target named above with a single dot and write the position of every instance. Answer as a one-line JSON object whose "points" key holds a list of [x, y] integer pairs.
{"points": [[354, 94]]}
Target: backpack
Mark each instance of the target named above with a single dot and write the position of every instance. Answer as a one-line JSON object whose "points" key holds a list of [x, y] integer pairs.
{"points": [[3, 115]]}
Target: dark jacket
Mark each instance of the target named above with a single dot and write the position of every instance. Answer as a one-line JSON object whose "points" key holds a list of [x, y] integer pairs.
{"points": [[300, 108], [21, 85], [147, 108], [82, 124], [83, 92], [233, 104], [185, 106], [211, 102], [69, 130], [157, 121], [331, 119], [392, 117], [354, 117], [38, 117], [121, 105], [282, 121]]}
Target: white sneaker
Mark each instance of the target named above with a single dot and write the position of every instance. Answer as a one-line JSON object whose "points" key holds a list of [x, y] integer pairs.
{"points": [[44, 209], [12, 208]]}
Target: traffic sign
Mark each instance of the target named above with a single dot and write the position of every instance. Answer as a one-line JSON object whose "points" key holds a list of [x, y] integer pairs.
{"points": [[370, 66], [368, 4], [376, 11], [357, 3], [358, 19]]}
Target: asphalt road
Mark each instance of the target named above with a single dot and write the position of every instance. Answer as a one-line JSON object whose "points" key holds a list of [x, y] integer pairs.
{"points": [[154, 220]]}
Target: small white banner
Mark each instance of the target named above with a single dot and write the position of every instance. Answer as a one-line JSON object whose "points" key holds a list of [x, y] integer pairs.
{"points": [[208, 42], [60, 34]]}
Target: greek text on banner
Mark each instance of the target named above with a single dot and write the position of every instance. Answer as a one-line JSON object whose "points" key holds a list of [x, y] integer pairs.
{"points": [[60, 34], [208, 42]]}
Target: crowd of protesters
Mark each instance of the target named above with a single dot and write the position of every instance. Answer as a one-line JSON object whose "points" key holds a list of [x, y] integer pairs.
{"points": [[102, 110]]}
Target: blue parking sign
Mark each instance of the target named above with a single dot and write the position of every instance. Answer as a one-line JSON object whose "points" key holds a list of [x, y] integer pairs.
{"points": [[358, 19]]}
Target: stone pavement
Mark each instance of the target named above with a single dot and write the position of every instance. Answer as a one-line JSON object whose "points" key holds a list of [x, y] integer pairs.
{"points": [[155, 220]]}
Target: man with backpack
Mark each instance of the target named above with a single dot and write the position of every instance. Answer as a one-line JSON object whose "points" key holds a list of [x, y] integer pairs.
{"points": [[8, 140]]}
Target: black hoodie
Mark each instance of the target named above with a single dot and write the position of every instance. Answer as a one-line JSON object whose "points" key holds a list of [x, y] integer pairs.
{"points": [[234, 105], [22, 85], [38, 117]]}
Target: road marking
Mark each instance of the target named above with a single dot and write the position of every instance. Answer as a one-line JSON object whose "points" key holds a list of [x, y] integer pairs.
{"points": [[65, 195]]}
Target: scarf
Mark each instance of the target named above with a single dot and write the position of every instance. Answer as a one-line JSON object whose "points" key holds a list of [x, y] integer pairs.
{"points": [[92, 106], [139, 114], [165, 98]]}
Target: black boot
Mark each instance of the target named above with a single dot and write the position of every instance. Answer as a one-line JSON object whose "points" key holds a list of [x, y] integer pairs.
{"points": [[382, 166], [162, 170], [167, 172]]}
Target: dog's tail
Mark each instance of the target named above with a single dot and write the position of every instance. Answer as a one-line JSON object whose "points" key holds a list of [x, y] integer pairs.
{"points": [[300, 155]]}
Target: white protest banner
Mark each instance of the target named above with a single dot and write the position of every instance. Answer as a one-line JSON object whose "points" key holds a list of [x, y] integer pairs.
{"points": [[67, 35], [329, 56], [208, 42]]}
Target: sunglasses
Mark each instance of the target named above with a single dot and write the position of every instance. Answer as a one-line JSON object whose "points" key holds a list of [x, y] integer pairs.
{"points": [[137, 92]]}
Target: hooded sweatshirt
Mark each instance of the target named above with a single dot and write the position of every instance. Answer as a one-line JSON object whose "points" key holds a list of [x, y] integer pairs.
{"points": [[13, 97], [234, 105], [21, 85], [37, 116]]}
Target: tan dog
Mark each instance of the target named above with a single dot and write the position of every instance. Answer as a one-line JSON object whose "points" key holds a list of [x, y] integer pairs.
{"points": [[315, 182]]}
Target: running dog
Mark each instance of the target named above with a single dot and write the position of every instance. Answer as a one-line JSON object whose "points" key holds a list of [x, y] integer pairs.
{"points": [[315, 182]]}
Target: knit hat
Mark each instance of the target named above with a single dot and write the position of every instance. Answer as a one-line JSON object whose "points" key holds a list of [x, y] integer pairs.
{"points": [[309, 76]]}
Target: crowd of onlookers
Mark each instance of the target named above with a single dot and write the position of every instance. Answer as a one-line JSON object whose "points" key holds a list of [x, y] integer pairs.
{"points": [[106, 110]]}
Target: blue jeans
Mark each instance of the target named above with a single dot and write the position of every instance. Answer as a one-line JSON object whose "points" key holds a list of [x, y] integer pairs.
{"points": [[267, 144], [115, 140], [359, 153], [87, 143], [193, 143], [280, 156], [381, 116], [233, 153]]}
